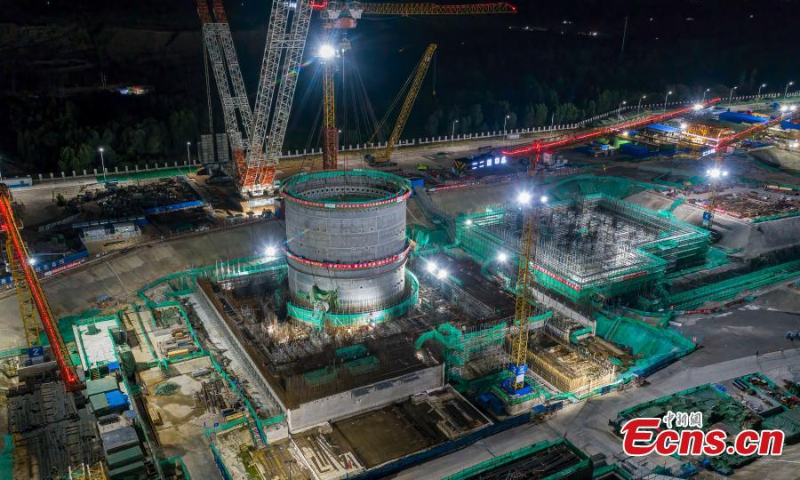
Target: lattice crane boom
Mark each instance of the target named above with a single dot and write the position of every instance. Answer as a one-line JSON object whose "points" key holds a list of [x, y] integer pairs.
{"points": [[347, 13], [241, 102], [421, 69], [229, 105], [294, 48], [28, 274]]}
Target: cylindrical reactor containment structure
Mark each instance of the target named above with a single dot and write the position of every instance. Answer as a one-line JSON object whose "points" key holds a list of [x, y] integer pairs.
{"points": [[346, 240]]}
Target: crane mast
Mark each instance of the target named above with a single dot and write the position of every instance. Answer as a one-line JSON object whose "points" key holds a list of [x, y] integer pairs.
{"points": [[33, 292], [330, 133], [528, 248]]}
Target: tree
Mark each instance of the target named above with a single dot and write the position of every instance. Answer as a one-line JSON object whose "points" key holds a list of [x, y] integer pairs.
{"points": [[84, 158], [67, 159], [432, 125], [476, 115], [540, 115]]}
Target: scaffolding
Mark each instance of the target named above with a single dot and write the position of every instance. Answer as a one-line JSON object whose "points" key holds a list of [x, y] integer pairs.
{"points": [[469, 353], [567, 368], [590, 246]]}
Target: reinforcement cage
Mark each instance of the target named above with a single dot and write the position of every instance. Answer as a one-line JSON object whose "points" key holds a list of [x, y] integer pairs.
{"points": [[589, 245]]}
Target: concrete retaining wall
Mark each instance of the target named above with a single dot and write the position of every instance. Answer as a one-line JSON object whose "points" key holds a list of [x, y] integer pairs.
{"points": [[365, 398]]}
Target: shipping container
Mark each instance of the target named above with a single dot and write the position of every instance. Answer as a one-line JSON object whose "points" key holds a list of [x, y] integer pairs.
{"points": [[17, 182]]}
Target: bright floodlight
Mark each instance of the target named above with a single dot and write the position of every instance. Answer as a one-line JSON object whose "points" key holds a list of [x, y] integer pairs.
{"points": [[544, 199], [796, 144], [716, 172], [468, 222], [31, 261], [432, 267], [698, 106], [271, 251], [683, 125], [793, 108], [441, 274], [524, 198], [326, 51], [784, 108], [502, 257]]}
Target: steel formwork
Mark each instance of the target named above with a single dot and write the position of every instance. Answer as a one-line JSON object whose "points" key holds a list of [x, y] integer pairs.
{"points": [[588, 246], [346, 246]]}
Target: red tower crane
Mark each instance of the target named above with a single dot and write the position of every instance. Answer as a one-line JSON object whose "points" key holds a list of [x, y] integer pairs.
{"points": [[563, 141], [30, 290]]}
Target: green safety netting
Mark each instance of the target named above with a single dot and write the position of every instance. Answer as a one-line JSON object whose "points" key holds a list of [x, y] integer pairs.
{"points": [[680, 245], [582, 185], [650, 344], [475, 471], [734, 287], [459, 347], [318, 317], [776, 217], [7, 457]]}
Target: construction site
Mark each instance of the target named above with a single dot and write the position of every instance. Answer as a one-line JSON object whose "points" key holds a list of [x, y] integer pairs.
{"points": [[425, 315]]}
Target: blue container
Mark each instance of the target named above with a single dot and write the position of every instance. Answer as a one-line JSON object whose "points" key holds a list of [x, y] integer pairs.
{"points": [[738, 117], [634, 150], [117, 400], [788, 125]]}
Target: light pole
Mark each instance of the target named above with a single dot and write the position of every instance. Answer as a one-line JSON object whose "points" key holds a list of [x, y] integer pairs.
{"points": [[619, 108], [730, 95], [786, 90], [453, 131], [639, 107], [704, 95], [188, 155], [102, 162], [505, 120], [665, 99], [759, 89]]}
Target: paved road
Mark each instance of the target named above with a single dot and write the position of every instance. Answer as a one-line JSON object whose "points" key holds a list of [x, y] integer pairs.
{"points": [[586, 423]]}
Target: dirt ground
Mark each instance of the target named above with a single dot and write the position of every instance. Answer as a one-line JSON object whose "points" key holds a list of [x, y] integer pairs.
{"points": [[184, 422], [380, 436]]}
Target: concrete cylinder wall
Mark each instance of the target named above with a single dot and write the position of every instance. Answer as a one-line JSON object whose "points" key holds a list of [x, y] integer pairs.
{"points": [[346, 235]]}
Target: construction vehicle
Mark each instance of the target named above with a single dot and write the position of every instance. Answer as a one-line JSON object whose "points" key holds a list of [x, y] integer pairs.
{"points": [[31, 297], [382, 156]]}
